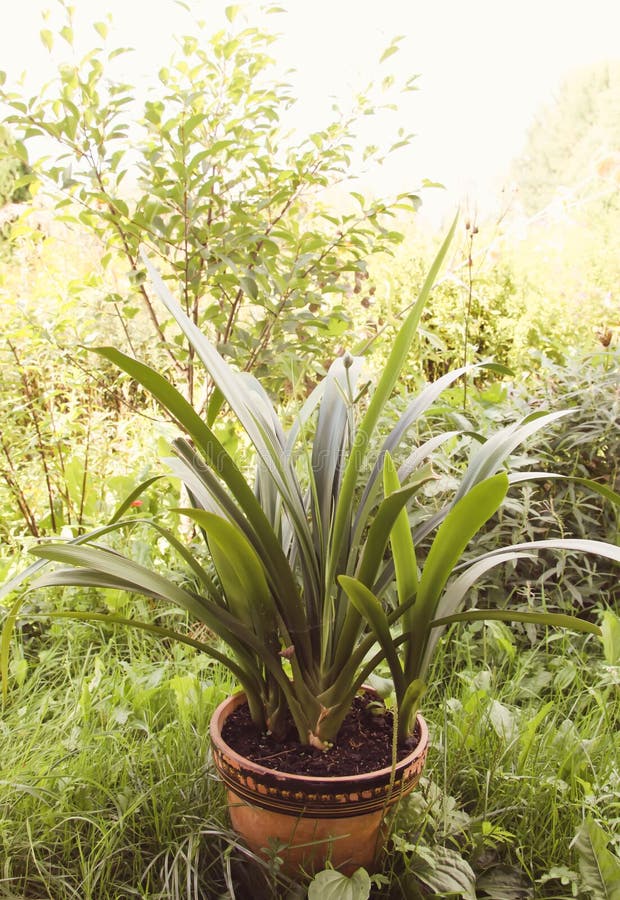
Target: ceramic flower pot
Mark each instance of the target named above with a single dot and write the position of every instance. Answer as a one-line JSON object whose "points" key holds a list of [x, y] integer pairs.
{"points": [[340, 819]]}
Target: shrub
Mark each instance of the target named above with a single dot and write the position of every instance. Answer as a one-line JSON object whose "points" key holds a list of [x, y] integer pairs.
{"points": [[12, 168], [231, 205]]}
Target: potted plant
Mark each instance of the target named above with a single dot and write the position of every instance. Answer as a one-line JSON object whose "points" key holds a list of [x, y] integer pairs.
{"points": [[311, 578]]}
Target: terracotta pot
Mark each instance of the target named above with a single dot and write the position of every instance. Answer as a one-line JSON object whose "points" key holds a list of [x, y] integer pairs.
{"points": [[340, 819]]}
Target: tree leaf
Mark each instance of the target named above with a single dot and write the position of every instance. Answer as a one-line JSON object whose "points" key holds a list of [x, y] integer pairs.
{"points": [[232, 11], [47, 38], [599, 868], [391, 50], [249, 286], [332, 885]]}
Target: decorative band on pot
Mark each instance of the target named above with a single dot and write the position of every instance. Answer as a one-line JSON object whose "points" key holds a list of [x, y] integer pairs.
{"points": [[329, 797]]}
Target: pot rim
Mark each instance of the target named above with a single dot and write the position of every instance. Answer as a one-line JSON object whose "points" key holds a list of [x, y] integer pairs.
{"points": [[227, 706]]}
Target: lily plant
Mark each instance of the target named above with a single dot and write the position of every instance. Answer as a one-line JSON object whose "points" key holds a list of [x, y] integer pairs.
{"points": [[301, 562]]}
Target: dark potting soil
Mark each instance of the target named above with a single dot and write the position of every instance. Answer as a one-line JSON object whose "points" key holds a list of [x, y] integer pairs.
{"points": [[364, 743]]}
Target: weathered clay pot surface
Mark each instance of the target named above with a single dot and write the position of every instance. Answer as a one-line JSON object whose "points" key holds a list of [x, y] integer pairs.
{"points": [[339, 818]]}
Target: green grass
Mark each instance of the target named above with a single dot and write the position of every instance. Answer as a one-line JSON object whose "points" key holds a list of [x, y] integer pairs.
{"points": [[107, 789], [525, 746]]}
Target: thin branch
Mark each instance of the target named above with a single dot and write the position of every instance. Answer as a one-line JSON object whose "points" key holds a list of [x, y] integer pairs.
{"points": [[11, 479], [35, 420]]}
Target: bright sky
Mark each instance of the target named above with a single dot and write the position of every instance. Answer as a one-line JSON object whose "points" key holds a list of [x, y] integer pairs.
{"points": [[486, 67]]}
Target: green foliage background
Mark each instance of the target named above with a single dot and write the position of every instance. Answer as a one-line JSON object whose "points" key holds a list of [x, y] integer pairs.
{"points": [[12, 168], [574, 138], [245, 228]]}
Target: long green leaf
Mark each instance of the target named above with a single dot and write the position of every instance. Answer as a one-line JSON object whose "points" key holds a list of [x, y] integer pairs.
{"points": [[8, 628], [332, 436], [120, 567], [578, 545], [139, 489], [204, 486], [416, 408], [230, 629], [218, 458], [610, 633], [381, 528], [403, 550], [254, 411], [463, 521], [405, 564], [490, 456], [18, 580], [190, 422], [473, 569], [517, 478], [424, 451], [529, 733], [27, 574], [186, 554], [409, 706], [304, 414], [391, 373], [344, 637], [456, 592], [108, 619], [240, 572], [371, 610], [595, 486], [218, 620], [556, 620]]}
